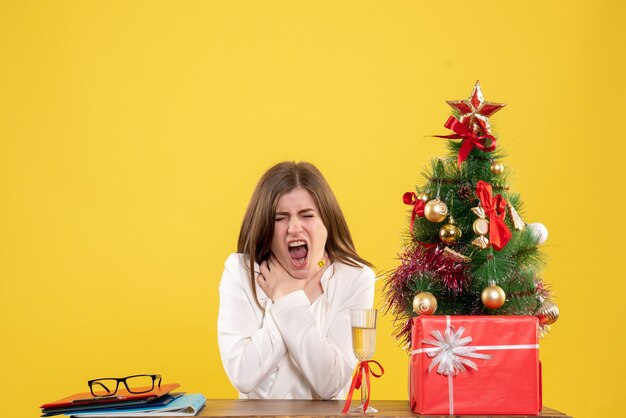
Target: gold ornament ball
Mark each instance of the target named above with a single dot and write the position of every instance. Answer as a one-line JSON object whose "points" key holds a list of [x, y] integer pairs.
{"points": [[423, 197], [497, 168], [548, 313], [435, 210], [449, 233], [493, 296], [424, 303]]}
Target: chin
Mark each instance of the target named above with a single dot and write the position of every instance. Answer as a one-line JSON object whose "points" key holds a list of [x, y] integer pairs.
{"points": [[300, 272], [300, 275]]}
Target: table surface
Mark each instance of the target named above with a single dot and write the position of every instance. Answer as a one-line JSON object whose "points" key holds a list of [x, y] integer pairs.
{"points": [[305, 409]]}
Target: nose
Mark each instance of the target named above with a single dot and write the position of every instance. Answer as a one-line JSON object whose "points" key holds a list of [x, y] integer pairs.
{"points": [[294, 225]]}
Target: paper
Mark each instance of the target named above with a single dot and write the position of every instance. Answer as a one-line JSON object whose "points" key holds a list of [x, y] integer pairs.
{"points": [[186, 405]]}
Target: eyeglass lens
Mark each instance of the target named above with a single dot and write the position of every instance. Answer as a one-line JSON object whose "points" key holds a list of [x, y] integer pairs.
{"points": [[134, 384]]}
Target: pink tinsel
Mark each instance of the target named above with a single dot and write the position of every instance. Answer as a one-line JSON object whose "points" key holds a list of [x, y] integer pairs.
{"points": [[418, 262]]}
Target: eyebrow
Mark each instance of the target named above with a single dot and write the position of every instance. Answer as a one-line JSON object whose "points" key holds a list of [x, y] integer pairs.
{"points": [[299, 212]]}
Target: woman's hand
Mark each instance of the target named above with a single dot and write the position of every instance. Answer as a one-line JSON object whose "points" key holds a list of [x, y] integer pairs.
{"points": [[276, 282]]}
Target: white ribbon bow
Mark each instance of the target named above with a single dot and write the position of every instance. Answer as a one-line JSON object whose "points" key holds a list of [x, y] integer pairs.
{"points": [[451, 352]]}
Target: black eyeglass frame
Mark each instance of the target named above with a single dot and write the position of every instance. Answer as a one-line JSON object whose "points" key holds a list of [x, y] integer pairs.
{"points": [[119, 380]]}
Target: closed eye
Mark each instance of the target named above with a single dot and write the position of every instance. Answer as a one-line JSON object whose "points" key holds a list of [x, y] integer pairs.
{"points": [[307, 213]]}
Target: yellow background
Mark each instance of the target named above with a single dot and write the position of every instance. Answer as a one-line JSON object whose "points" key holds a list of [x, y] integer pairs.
{"points": [[133, 132]]}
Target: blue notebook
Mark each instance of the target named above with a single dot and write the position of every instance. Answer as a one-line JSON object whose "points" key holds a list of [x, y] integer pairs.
{"points": [[183, 406]]}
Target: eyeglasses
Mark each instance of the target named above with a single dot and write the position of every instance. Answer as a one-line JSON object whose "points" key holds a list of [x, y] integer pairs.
{"points": [[138, 383]]}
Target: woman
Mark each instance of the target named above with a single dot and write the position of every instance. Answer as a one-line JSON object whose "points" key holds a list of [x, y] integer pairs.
{"points": [[286, 295]]}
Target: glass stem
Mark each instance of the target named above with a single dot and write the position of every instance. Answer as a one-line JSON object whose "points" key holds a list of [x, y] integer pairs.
{"points": [[363, 388]]}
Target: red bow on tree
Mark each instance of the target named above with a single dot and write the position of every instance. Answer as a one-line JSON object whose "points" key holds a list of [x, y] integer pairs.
{"points": [[495, 209], [470, 139], [410, 198]]}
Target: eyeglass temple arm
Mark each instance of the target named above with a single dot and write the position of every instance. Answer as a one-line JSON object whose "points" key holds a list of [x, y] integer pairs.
{"points": [[101, 384]]}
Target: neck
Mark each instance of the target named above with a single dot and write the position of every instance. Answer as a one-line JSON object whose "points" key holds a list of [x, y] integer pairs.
{"points": [[313, 288]]}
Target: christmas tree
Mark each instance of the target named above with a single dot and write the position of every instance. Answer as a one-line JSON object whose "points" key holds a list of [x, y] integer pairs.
{"points": [[468, 251]]}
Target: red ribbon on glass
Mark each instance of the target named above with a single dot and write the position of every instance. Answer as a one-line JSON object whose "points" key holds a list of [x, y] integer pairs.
{"points": [[410, 198], [362, 368], [470, 139], [495, 209]]}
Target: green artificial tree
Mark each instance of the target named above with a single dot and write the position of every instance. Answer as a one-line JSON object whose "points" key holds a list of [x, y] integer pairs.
{"points": [[468, 251]]}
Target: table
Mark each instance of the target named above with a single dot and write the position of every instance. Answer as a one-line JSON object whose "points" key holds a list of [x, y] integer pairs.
{"points": [[230, 408]]}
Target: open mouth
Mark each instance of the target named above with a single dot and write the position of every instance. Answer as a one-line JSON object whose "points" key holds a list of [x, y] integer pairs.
{"points": [[298, 251]]}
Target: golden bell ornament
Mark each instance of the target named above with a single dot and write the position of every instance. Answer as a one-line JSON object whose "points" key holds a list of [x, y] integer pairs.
{"points": [[435, 210], [548, 313], [497, 168], [423, 197], [518, 222], [493, 296], [449, 233], [424, 303]]}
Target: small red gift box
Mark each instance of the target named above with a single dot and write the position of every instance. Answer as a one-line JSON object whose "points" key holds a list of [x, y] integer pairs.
{"points": [[475, 365]]}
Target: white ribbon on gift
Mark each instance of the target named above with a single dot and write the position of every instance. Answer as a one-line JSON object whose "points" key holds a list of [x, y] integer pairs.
{"points": [[451, 354]]}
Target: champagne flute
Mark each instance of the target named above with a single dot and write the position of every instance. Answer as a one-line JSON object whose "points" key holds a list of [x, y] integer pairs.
{"points": [[363, 322]]}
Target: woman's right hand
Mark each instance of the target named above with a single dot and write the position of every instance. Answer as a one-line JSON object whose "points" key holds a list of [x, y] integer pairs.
{"points": [[276, 281]]}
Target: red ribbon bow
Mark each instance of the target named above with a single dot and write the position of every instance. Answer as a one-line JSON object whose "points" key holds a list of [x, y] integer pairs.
{"points": [[470, 139], [410, 198], [362, 368], [495, 208]]}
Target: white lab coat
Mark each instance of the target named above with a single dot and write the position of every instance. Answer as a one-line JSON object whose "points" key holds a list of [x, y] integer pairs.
{"points": [[293, 349]]}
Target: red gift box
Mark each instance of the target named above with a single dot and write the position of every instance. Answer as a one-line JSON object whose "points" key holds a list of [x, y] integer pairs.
{"points": [[475, 365]]}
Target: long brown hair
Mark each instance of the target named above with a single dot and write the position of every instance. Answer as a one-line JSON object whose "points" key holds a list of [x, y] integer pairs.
{"points": [[257, 229]]}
